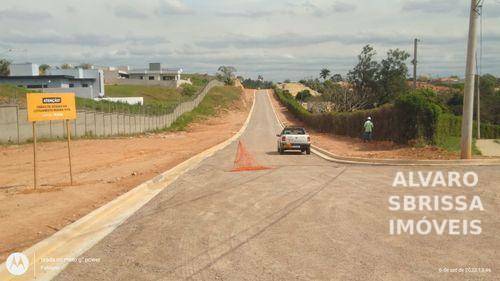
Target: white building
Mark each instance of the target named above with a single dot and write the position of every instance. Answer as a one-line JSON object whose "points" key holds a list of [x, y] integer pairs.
{"points": [[80, 73], [156, 75], [85, 83], [24, 69]]}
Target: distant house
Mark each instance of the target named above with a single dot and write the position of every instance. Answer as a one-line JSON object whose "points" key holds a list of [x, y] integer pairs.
{"points": [[447, 80], [156, 72], [85, 83], [112, 74], [155, 75]]}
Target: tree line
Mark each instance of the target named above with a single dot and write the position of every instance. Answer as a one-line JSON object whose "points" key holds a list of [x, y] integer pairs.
{"points": [[371, 83]]}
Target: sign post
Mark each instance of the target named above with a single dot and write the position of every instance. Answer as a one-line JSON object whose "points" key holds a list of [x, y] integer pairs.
{"points": [[68, 132], [34, 154], [48, 107]]}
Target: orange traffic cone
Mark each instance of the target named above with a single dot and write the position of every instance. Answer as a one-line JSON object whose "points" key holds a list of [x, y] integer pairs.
{"points": [[245, 161]]}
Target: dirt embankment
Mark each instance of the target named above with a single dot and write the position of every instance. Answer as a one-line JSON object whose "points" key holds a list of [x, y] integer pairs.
{"points": [[295, 88], [352, 147], [103, 170]]}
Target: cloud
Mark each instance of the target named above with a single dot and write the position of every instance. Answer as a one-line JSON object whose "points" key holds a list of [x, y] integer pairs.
{"points": [[71, 9], [292, 9], [310, 8], [245, 13], [24, 15], [491, 9], [344, 7], [292, 40], [88, 39], [129, 12], [430, 6], [285, 40], [173, 7]]}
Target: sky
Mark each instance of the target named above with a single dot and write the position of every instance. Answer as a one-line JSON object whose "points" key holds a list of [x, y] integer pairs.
{"points": [[279, 39]]}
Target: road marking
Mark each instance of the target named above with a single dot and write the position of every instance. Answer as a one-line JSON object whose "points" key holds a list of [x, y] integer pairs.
{"points": [[75, 239]]}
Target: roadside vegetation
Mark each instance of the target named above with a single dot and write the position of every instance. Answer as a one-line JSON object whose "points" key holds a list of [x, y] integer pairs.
{"points": [[217, 100], [249, 83], [402, 115]]}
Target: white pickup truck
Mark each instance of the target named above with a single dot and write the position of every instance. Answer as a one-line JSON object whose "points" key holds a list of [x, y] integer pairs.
{"points": [[294, 138]]}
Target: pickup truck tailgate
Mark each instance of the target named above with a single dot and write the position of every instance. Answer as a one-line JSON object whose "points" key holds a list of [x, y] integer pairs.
{"points": [[296, 139]]}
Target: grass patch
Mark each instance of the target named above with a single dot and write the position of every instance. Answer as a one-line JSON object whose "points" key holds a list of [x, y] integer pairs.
{"points": [[452, 144], [151, 94], [217, 99], [198, 80], [157, 100], [11, 94]]}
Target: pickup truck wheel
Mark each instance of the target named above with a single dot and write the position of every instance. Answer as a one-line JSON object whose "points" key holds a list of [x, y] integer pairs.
{"points": [[308, 150]]}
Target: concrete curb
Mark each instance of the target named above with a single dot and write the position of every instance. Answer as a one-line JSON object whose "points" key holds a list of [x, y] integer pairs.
{"points": [[329, 156], [402, 162], [75, 239]]}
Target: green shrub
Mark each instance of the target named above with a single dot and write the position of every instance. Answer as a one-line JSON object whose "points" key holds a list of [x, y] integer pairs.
{"points": [[419, 114], [303, 95], [189, 90], [451, 126], [412, 117], [292, 105]]}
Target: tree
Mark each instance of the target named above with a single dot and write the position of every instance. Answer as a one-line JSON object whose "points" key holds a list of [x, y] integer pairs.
{"points": [[324, 73], [226, 74], [336, 78], [255, 84], [4, 67], [487, 84], [65, 66], [303, 95], [43, 68], [363, 78], [260, 78], [490, 99], [85, 66], [392, 76]]}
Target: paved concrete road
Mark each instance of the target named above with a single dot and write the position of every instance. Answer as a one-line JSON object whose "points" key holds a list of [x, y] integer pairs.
{"points": [[489, 147], [305, 219]]}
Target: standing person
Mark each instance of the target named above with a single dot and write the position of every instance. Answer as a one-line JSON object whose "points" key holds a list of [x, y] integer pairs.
{"points": [[368, 130]]}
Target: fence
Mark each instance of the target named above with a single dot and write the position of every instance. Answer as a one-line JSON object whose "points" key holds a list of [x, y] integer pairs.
{"points": [[15, 128]]}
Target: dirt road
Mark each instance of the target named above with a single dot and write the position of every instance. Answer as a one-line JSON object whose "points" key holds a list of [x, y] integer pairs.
{"points": [[103, 170], [304, 219]]}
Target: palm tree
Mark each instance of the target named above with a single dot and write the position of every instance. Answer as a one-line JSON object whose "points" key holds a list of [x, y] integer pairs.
{"points": [[324, 73]]}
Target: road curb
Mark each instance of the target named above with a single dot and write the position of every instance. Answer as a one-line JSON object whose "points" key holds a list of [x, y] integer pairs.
{"points": [[401, 162], [75, 239], [329, 156]]}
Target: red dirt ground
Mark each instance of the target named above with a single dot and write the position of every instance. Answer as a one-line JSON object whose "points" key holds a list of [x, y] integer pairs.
{"points": [[103, 170]]}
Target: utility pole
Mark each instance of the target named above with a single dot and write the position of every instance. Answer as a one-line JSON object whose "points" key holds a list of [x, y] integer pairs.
{"points": [[478, 117], [468, 109], [414, 62]]}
